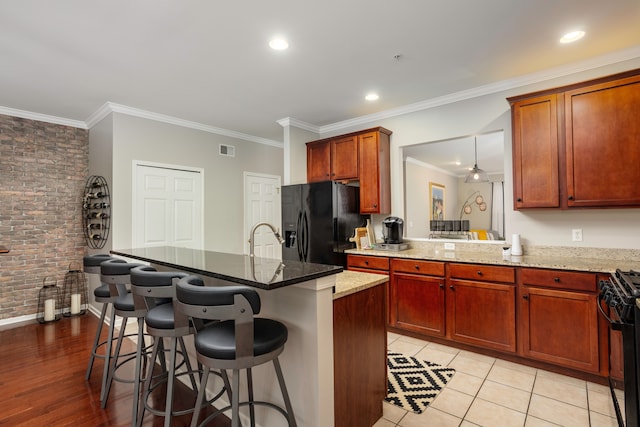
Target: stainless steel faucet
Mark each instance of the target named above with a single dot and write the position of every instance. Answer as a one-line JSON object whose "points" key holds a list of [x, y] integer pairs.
{"points": [[275, 231]]}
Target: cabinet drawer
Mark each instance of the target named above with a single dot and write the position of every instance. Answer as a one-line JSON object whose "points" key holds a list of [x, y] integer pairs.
{"points": [[559, 279], [481, 272], [429, 268], [369, 262]]}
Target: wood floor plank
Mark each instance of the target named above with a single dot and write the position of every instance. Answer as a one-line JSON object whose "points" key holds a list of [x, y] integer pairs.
{"points": [[42, 369]]}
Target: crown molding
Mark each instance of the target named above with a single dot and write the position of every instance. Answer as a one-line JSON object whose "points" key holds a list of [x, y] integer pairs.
{"points": [[111, 107], [290, 121], [42, 117], [541, 76]]}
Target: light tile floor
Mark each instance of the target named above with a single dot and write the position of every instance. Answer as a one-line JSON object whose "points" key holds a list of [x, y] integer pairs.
{"points": [[495, 393]]}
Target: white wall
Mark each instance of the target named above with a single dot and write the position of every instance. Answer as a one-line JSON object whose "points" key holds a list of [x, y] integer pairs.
{"points": [[606, 228], [417, 215], [141, 139], [295, 154]]}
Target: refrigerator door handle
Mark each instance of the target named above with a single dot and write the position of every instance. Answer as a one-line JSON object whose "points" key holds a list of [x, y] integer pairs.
{"points": [[300, 235], [305, 234]]}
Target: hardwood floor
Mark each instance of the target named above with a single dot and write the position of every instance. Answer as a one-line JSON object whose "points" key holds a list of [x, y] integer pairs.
{"points": [[42, 369]]}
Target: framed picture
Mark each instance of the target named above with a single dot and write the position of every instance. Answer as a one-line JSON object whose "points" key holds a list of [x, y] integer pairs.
{"points": [[436, 201]]}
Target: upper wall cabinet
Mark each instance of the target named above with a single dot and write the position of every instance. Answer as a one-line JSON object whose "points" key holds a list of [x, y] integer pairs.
{"points": [[579, 145], [360, 156], [335, 159]]}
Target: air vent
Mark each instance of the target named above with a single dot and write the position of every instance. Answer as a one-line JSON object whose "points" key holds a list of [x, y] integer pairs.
{"points": [[227, 150]]}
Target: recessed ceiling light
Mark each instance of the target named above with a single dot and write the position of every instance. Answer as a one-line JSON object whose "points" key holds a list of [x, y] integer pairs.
{"points": [[278, 44], [371, 97], [572, 36]]}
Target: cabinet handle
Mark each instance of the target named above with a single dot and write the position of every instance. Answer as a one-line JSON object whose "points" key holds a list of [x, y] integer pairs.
{"points": [[441, 286], [479, 273], [366, 263], [452, 288], [525, 296], [556, 279], [417, 267], [375, 205], [570, 197], [519, 199]]}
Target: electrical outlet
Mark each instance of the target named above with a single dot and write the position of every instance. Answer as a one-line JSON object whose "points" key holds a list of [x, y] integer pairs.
{"points": [[449, 246], [576, 234]]}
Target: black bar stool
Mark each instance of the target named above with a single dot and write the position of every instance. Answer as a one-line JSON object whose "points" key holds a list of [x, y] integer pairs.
{"points": [[101, 294], [151, 289], [237, 341], [116, 274]]}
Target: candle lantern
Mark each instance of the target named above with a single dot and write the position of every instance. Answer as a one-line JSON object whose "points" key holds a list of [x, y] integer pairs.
{"points": [[74, 292], [48, 302]]}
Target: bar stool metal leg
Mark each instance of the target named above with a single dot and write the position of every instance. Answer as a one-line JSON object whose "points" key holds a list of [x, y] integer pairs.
{"points": [[96, 341]]}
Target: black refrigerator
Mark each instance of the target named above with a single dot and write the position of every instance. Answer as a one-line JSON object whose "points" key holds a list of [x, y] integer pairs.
{"points": [[317, 221]]}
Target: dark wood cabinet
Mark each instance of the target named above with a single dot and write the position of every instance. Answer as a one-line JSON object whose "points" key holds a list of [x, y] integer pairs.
{"points": [[481, 306], [318, 161], [335, 159], [616, 357], [603, 144], [374, 172], [559, 318], [362, 156], [535, 153], [360, 383], [577, 146], [368, 264], [417, 296]]}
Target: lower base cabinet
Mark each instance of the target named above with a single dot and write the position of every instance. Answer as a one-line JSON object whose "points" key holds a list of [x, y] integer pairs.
{"points": [[418, 304], [360, 357], [560, 327], [482, 314], [559, 318], [542, 315]]}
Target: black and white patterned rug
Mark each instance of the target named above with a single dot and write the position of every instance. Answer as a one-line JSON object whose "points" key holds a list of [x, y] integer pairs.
{"points": [[413, 384]]}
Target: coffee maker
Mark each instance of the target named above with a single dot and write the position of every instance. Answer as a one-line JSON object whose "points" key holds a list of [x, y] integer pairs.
{"points": [[392, 230]]}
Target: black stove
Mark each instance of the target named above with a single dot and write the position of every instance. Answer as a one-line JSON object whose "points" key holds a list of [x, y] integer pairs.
{"points": [[619, 293]]}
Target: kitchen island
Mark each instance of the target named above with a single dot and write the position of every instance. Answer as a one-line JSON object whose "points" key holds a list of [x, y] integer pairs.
{"points": [[301, 295]]}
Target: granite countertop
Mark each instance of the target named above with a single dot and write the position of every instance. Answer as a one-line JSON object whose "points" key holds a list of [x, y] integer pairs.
{"points": [[263, 273], [578, 259], [350, 282]]}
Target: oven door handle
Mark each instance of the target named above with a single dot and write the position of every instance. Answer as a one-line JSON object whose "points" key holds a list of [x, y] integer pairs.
{"points": [[615, 325]]}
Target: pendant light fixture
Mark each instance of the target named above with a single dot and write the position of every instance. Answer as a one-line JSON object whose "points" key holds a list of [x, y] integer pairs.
{"points": [[476, 174]]}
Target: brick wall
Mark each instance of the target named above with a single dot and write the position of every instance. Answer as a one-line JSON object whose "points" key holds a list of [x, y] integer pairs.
{"points": [[43, 170]]}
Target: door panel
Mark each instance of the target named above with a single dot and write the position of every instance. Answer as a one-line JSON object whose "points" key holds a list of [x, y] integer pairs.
{"points": [[167, 203], [262, 204]]}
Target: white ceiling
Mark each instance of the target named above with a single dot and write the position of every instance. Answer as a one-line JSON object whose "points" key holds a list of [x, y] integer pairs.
{"points": [[209, 62]]}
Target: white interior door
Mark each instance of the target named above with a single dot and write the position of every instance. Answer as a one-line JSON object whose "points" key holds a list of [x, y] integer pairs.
{"points": [[262, 204], [168, 205]]}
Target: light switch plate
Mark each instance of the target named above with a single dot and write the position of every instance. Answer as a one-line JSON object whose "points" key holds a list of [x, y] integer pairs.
{"points": [[449, 246]]}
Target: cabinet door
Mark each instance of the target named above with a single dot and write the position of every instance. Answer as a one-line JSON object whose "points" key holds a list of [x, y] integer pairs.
{"points": [[344, 158], [482, 314], [417, 303], [318, 161], [602, 144], [374, 173], [535, 153], [560, 327]]}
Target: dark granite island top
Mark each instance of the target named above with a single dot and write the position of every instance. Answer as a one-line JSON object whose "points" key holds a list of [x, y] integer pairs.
{"points": [[263, 273]]}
